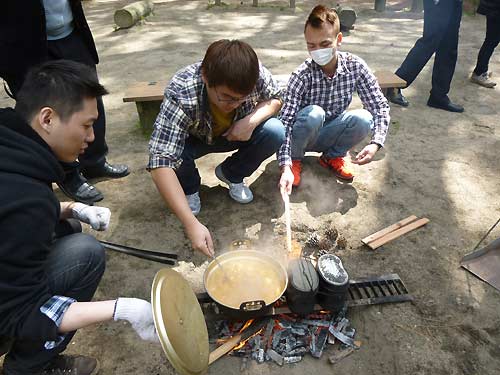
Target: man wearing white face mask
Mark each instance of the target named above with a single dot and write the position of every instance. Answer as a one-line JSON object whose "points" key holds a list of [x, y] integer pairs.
{"points": [[318, 95]]}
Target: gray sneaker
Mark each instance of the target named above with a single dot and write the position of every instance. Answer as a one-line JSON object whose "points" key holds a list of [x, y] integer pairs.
{"points": [[483, 80], [194, 203], [240, 192]]}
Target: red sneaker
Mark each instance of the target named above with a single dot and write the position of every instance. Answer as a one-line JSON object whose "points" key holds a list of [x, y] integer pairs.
{"points": [[338, 166], [296, 169]]}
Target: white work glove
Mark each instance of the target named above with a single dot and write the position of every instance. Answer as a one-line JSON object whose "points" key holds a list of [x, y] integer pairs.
{"points": [[140, 314], [97, 217]]}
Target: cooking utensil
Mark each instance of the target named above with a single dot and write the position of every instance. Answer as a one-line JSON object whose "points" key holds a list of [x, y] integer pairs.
{"points": [[288, 220], [155, 256], [180, 323], [255, 280], [485, 262]]}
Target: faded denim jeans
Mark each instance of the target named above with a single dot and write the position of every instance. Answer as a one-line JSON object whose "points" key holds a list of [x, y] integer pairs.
{"points": [[332, 137]]}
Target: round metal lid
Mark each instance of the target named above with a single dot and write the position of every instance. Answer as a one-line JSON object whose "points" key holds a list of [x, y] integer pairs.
{"points": [[180, 323]]}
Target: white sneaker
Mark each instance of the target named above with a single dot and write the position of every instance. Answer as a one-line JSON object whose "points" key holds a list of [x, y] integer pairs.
{"points": [[240, 192], [194, 203], [483, 80]]}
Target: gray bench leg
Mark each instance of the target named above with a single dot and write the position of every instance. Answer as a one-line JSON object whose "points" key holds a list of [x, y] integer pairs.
{"points": [[147, 114], [380, 5]]}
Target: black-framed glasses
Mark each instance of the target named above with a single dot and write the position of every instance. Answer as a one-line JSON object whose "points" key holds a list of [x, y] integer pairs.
{"points": [[229, 98]]}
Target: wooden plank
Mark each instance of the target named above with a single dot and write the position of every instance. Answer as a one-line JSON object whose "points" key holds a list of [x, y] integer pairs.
{"points": [[387, 79], [224, 349], [397, 233], [389, 229], [145, 91]]}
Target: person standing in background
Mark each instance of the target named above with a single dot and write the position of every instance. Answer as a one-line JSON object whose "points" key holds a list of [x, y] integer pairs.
{"points": [[491, 9], [440, 37], [35, 31]]}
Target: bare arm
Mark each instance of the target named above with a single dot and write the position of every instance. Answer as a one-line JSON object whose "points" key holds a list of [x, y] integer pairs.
{"points": [[171, 191], [83, 314]]}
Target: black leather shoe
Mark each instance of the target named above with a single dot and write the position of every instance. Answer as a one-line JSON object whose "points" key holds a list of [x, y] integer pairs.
{"points": [[77, 188], [106, 170], [396, 97], [444, 103]]}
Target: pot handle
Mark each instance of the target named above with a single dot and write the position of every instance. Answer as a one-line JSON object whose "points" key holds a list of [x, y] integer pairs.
{"points": [[252, 305], [241, 245]]}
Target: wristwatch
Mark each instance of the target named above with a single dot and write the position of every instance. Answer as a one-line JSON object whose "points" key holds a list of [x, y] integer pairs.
{"points": [[375, 143]]}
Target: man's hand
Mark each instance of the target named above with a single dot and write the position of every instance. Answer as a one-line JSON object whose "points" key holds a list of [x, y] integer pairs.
{"points": [[366, 155], [97, 217], [200, 238], [241, 130], [140, 315], [286, 180]]}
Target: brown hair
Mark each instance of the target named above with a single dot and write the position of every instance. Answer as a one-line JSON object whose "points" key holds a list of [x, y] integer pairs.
{"points": [[322, 14], [231, 63]]}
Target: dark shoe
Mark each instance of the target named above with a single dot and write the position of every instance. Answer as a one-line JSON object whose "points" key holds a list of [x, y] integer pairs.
{"points": [[72, 364], [77, 188], [63, 365], [106, 170], [444, 103], [396, 97]]}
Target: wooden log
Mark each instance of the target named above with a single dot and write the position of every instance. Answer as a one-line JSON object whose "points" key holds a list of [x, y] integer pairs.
{"points": [[129, 15], [224, 348]]}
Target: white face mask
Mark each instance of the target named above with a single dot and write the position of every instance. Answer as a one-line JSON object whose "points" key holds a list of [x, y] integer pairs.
{"points": [[322, 56]]}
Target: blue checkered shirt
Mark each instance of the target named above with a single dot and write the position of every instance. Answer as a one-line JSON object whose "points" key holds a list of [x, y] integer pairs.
{"points": [[185, 111], [54, 309], [309, 85]]}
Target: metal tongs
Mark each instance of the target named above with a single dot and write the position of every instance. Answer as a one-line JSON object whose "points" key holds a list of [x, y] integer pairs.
{"points": [[155, 256]]}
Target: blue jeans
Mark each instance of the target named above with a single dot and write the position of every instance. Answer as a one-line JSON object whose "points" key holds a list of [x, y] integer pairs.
{"points": [[265, 141], [333, 137], [74, 268]]}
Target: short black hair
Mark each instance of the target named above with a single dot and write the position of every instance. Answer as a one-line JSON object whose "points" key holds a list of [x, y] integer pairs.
{"points": [[231, 63], [59, 84]]}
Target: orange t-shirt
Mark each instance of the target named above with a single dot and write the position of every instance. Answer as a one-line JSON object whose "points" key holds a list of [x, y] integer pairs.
{"points": [[222, 121]]}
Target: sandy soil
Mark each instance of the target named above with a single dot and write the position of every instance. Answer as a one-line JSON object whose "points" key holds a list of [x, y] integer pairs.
{"points": [[436, 164]]}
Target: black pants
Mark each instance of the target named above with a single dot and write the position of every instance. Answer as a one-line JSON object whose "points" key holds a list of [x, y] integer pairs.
{"points": [[440, 36], [73, 48], [490, 43], [74, 268]]}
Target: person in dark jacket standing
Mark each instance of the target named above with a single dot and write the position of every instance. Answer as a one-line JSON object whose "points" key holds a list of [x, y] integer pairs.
{"points": [[491, 9], [440, 37], [35, 31], [47, 274]]}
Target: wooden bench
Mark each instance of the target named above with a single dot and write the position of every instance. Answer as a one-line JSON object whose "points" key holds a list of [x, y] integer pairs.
{"points": [[149, 95]]}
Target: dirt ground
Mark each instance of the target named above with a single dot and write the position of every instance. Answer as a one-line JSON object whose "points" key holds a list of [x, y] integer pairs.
{"points": [[436, 164]]}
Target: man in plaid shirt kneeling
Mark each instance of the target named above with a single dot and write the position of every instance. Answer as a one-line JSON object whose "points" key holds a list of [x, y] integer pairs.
{"points": [[225, 103], [317, 97]]}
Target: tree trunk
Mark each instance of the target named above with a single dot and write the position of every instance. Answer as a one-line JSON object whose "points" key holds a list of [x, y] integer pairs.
{"points": [[130, 14]]}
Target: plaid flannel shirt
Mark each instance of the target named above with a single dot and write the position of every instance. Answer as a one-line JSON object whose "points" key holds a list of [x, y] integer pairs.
{"points": [[54, 309], [185, 112], [309, 85]]}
